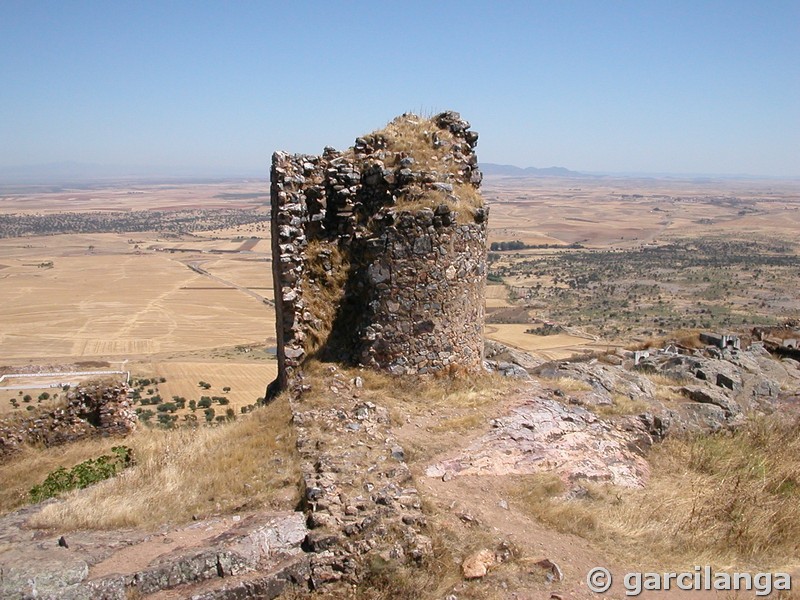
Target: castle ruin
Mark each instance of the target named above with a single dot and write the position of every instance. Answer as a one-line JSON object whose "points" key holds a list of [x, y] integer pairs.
{"points": [[379, 252]]}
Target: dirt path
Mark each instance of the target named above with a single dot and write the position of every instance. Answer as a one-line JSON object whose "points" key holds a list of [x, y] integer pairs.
{"points": [[483, 503]]}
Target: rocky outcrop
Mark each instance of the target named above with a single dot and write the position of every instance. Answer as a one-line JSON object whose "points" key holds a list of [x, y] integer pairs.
{"points": [[544, 435], [244, 556], [90, 410], [508, 361], [699, 390], [594, 420]]}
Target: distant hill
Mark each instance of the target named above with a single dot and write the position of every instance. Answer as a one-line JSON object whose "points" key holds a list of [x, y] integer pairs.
{"points": [[511, 170], [70, 172]]}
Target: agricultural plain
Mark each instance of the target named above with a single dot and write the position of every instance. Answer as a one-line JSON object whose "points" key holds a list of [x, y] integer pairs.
{"points": [[168, 281], [626, 259], [174, 280]]}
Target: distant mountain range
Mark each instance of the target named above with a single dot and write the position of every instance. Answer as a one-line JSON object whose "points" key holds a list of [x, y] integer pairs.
{"points": [[75, 172], [512, 171]]}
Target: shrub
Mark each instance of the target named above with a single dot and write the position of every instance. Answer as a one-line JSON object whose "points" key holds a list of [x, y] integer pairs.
{"points": [[166, 420], [83, 474]]}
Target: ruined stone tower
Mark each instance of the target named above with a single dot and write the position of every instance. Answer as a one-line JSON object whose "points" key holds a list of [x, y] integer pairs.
{"points": [[379, 252]]}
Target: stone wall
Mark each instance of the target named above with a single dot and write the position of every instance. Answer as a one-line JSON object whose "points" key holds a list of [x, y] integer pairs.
{"points": [[379, 252], [90, 410], [423, 293]]}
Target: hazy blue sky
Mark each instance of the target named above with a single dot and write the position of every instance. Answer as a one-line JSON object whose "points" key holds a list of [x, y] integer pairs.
{"points": [[667, 86]]}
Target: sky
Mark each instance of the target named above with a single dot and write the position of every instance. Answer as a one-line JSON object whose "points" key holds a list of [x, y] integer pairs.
{"points": [[668, 86]]}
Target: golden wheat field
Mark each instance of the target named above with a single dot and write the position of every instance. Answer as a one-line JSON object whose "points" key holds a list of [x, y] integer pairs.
{"points": [[605, 212], [98, 305], [247, 380], [549, 347]]}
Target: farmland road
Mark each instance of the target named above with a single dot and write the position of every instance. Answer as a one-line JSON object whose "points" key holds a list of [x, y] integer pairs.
{"points": [[194, 265]]}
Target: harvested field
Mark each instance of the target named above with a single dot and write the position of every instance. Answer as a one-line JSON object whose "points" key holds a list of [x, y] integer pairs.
{"points": [[118, 306], [549, 347], [496, 296], [248, 381]]}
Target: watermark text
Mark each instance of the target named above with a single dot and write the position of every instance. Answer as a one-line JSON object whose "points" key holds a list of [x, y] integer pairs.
{"points": [[600, 580]]}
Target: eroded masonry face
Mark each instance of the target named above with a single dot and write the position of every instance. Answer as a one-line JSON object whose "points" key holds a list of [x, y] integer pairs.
{"points": [[379, 252]]}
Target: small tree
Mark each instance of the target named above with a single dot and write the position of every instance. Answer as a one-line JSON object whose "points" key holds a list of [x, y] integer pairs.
{"points": [[209, 413]]}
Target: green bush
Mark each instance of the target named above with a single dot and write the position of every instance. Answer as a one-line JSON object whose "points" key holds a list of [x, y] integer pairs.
{"points": [[83, 474], [167, 420]]}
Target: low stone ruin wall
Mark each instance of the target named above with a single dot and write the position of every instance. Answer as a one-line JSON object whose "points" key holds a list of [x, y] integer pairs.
{"points": [[92, 410]]}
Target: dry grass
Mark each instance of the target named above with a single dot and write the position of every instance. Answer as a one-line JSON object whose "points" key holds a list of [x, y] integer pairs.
{"points": [[463, 201], [411, 135], [622, 405], [32, 465], [452, 390], [447, 406], [567, 384], [722, 499], [322, 293], [539, 495], [665, 393], [689, 338], [430, 147], [248, 464], [663, 379]]}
